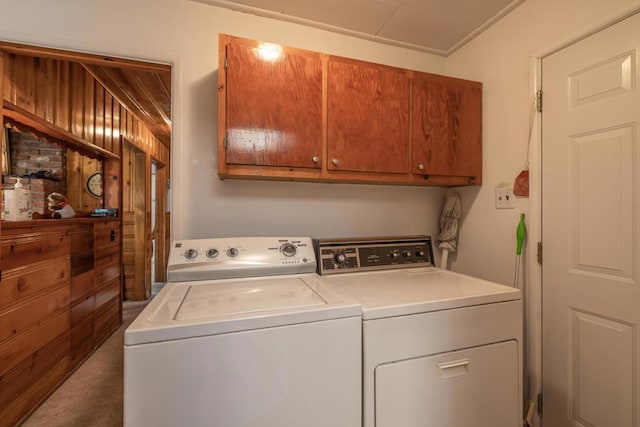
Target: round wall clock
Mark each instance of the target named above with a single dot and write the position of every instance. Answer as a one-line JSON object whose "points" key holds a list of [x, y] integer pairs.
{"points": [[94, 184]]}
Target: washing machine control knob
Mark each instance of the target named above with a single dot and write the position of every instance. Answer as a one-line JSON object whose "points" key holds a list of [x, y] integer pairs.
{"points": [[233, 252], [406, 254], [394, 254], [212, 253], [288, 249], [190, 253], [420, 254]]}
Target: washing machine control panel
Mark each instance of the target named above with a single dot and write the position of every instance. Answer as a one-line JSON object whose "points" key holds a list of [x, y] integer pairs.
{"points": [[346, 255], [224, 258]]}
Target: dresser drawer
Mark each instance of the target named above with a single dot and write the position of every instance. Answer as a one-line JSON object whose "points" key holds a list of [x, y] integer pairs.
{"points": [[24, 346], [29, 248], [25, 282], [16, 319]]}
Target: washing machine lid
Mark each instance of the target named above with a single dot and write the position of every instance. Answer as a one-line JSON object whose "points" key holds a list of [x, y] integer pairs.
{"points": [[418, 290], [228, 298], [193, 309]]}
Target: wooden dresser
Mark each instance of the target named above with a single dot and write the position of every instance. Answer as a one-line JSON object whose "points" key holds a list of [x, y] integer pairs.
{"points": [[60, 298]]}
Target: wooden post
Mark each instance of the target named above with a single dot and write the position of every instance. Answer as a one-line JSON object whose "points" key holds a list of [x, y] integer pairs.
{"points": [[148, 235], [2, 129]]}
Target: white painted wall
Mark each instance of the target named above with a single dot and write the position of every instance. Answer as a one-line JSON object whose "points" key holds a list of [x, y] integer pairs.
{"points": [[499, 58], [185, 34], [503, 58]]}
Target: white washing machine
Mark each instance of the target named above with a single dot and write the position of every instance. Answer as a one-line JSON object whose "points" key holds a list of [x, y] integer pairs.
{"points": [[219, 348], [439, 348]]}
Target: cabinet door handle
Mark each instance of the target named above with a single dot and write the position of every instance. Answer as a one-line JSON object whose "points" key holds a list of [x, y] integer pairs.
{"points": [[421, 166], [335, 162], [315, 159]]}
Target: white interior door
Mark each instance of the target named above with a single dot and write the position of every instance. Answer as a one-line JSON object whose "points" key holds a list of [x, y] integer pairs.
{"points": [[590, 227]]}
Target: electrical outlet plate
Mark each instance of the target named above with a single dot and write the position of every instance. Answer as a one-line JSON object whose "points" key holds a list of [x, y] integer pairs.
{"points": [[505, 198]]}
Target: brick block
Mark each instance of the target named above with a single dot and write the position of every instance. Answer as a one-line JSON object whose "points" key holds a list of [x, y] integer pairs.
{"points": [[49, 165]]}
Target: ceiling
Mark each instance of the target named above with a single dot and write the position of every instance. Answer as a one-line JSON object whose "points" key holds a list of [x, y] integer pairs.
{"points": [[146, 93], [144, 88], [434, 26]]}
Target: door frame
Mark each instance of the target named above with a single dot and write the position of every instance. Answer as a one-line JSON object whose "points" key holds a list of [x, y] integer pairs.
{"points": [[161, 248], [534, 288]]}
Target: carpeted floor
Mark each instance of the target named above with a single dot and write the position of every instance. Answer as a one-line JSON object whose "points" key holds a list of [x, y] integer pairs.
{"points": [[92, 395]]}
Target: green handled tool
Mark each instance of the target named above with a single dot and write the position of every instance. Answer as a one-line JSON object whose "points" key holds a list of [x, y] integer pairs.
{"points": [[521, 232]]}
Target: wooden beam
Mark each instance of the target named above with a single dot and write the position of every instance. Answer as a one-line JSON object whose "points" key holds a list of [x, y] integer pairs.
{"points": [[2, 135], [87, 58], [44, 129]]}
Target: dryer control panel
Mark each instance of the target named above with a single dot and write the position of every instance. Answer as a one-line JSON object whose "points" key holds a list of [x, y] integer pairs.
{"points": [[365, 254]]}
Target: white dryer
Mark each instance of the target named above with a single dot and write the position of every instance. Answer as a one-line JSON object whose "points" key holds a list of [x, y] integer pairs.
{"points": [[219, 348], [439, 348]]}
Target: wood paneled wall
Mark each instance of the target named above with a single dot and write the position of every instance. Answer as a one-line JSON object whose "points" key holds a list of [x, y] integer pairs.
{"points": [[66, 95], [79, 168], [59, 299]]}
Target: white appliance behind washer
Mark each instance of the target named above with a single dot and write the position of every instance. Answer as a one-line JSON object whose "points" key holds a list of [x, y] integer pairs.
{"points": [[218, 348], [439, 349]]}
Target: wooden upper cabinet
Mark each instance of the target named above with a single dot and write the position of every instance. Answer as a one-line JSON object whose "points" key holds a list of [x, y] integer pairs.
{"points": [[292, 114], [446, 130], [367, 117], [273, 105]]}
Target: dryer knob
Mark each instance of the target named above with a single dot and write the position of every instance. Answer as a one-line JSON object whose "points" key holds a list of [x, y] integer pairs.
{"points": [[190, 253], [233, 252], [340, 258], [212, 253]]}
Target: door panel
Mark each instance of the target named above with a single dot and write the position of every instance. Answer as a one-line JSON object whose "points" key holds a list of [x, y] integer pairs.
{"points": [[605, 346], [367, 117], [136, 235], [273, 106], [446, 128], [601, 187], [590, 230]]}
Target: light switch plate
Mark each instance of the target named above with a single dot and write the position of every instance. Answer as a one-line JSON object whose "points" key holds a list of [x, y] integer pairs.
{"points": [[505, 198]]}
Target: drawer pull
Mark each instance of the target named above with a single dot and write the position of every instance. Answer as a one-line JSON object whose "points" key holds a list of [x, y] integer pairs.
{"points": [[453, 369], [113, 235]]}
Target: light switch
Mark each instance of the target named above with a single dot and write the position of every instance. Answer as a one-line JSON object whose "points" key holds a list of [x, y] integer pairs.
{"points": [[505, 198]]}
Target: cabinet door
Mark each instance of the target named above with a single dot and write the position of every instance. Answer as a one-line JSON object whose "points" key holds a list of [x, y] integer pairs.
{"points": [[273, 106], [446, 131], [367, 117]]}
